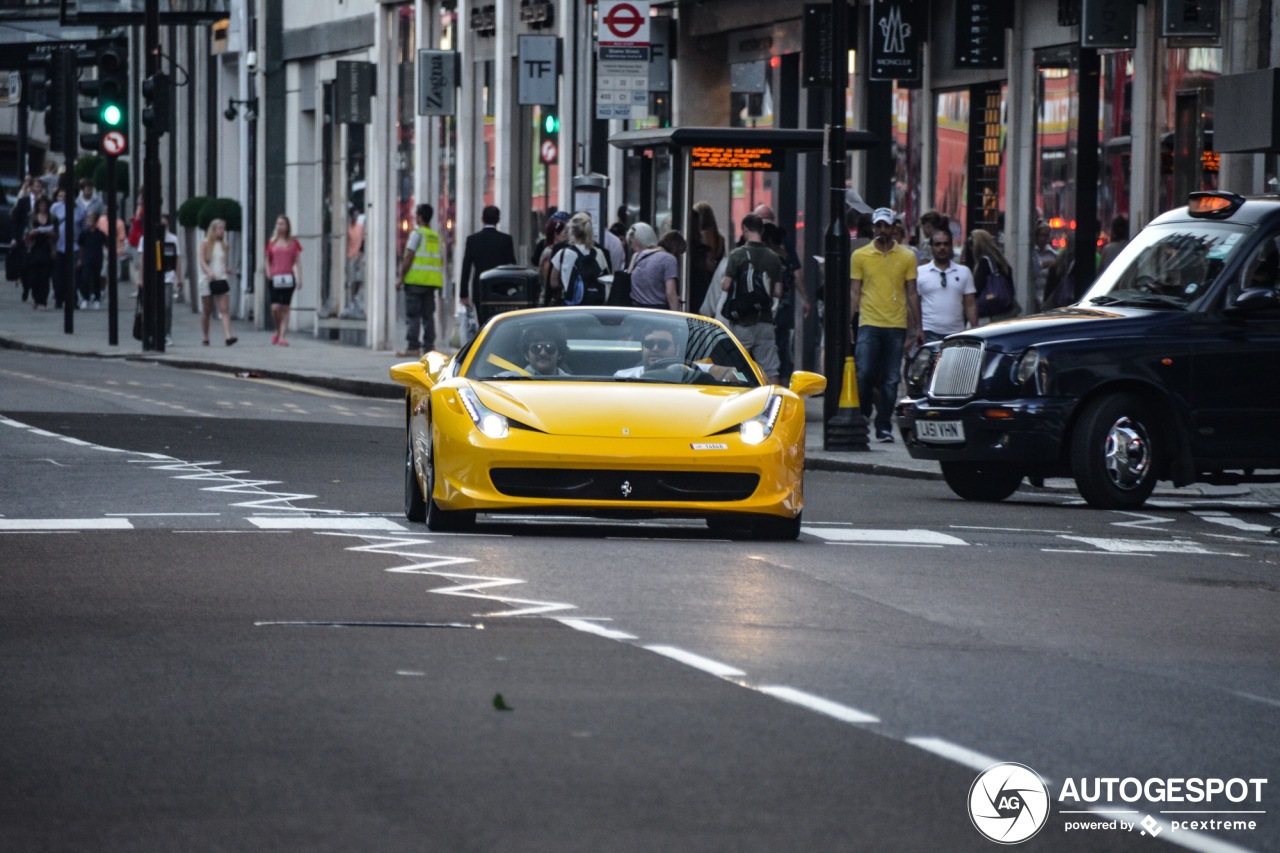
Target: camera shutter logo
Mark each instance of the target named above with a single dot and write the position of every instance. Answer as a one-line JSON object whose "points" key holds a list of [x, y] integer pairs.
{"points": [[1009, 803]]}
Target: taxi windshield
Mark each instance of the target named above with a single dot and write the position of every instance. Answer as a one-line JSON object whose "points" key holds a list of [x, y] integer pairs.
{"points": [[609, 345], [1168, 266]]}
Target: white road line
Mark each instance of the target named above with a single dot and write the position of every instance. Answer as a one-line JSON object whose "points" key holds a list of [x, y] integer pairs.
{"points": [[1256, 698], [12, 524], [1227, 520], [267, 522], [1095, 553], [843, 713], [157, 514], [954, 752], [1003, 529], [594, 628], [723, 670], [1148, 546], [897, 537]]}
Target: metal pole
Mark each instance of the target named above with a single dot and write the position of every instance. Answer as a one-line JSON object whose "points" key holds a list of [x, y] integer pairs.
{"points": [[66, 61], [113, 265], [843, 428], [152, 244]]}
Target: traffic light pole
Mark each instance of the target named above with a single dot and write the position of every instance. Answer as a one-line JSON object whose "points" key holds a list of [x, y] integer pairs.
{"points": [[113, 265], [65, 272], [153, 315]]}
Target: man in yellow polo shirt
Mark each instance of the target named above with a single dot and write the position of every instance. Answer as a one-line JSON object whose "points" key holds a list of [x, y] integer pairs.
{"points": [[883, 297], [422, 278]]}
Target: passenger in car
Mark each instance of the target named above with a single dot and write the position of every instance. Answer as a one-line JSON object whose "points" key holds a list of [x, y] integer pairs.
{"points": [[545, 350]]}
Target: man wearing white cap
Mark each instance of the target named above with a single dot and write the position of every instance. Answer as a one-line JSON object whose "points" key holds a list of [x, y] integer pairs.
{"points": [[883, 297]]}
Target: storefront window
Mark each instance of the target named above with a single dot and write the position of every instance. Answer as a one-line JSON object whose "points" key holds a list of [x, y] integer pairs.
{"points": [[951, 187], [1056, 139], [1187, 158], [406, 52]]}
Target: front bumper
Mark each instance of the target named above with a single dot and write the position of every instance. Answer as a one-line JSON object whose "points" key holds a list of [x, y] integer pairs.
{"points": [[1028, 432]]}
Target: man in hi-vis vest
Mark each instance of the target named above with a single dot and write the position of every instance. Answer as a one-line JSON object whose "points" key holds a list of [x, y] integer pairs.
{"points": [[421, 278]]}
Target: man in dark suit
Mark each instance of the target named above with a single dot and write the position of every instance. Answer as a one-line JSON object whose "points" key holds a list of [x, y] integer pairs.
{"points": [[486, 249]]}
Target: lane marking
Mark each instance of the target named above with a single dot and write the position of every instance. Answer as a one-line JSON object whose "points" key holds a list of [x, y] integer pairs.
{"points": [[902, 537], [1227, 520], [1148, 546], [954, 752], [715, 667], [840, 712], [158, 514], [1142, 521], [267, 522], [1003, 529], [13, 524], [593, 628]]}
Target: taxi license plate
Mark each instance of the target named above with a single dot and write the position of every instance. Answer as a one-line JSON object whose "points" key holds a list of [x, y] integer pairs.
{"points": [[940, 432]]}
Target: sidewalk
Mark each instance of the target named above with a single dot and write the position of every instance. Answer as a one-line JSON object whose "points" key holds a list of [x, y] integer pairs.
{"points": [[322, 363]]}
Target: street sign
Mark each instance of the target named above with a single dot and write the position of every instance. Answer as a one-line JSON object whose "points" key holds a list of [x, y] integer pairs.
{"points": [[539, 70], [354, 85], [622, 66], [624, 22], [757, 158], [11, 88], [548, 152], [437, 82], [114, 143]]}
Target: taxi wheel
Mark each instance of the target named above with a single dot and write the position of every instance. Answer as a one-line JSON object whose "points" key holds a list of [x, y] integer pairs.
{"points": [[1114, 453], [982, 481], [442, 520], [415, 508]]}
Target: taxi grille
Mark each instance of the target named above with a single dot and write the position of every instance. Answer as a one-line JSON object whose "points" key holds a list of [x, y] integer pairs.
{"points": [[955, 376], [623, 486]]}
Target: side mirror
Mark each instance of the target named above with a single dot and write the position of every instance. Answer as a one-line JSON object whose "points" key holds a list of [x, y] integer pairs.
{"points": [[1253, 300], [806, 384]]}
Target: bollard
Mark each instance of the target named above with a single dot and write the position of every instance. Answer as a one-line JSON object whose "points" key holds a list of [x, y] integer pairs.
{"points": [[848, 429]]}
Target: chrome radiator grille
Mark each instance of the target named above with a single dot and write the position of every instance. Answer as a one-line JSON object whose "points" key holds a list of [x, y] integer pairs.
{"points": [[955, 377]]}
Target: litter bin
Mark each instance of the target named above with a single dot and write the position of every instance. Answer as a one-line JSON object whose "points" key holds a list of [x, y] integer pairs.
{"points": [[505, 288]]}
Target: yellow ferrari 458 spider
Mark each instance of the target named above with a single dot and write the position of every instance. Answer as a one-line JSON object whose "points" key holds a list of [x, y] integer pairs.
{"points": [[614, 412]]}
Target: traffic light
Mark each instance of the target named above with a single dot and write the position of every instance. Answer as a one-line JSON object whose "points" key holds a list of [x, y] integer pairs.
{"points": [[38, 87], [156, 92], [110, 92], [550, 126], [56, 92]]}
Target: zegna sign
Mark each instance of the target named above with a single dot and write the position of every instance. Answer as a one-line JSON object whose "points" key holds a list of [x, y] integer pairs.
{"points": [[437, 82]]}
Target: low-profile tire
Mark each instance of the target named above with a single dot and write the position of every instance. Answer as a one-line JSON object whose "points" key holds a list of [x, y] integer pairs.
{"points": [[415, 508], [982, 481], [776, 528], [1115, 452], [442, 520]]}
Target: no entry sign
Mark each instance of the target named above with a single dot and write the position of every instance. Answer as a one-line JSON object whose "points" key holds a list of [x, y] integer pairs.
{"points": [[114, 143]]}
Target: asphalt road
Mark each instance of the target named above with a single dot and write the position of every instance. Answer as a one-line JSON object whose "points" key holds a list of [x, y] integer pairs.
{"points": [[219, 633]]}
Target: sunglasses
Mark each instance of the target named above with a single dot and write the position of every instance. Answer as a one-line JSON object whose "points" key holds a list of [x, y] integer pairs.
{"points": [[543, 348], [658, 344]]}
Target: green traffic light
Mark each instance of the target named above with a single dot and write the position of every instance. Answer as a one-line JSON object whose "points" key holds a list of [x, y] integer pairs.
{"points": [[551, 123], [112, 115]]}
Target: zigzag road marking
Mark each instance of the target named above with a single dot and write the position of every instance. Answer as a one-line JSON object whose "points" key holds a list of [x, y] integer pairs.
{"points": [[470, 585]]}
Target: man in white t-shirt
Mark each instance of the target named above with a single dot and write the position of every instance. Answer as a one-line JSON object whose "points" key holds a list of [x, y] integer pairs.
{"points": [[948, 298]]}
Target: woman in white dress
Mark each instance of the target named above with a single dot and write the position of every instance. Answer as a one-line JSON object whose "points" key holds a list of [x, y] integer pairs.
{"points": [[215, 285]]}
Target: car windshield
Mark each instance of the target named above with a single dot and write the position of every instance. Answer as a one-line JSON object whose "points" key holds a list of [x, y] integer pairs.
{"points": [[608, 345], [1168, 266]]}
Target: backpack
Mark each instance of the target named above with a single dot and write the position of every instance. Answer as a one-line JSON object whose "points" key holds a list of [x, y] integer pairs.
{"points": [[585, 286], [750, 297], [997, 293]]}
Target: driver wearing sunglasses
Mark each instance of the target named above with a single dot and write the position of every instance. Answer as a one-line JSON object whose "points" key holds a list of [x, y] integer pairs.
{"points": [[658, 345], [544, 351]]}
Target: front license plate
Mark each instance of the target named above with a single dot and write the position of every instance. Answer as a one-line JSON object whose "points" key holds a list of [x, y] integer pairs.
{"points": [[941, 432]]}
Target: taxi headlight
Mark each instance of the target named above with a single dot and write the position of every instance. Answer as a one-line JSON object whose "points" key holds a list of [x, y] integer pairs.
{"points": [[760, 427], [918, 371], [486, 420], [1025, 368]]}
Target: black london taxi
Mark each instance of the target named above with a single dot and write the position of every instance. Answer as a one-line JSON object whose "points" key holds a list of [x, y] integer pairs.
{"points": [[1168, 368]]}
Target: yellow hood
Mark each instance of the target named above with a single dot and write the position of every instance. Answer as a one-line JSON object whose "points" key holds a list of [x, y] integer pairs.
{"points": [[622, 409]]}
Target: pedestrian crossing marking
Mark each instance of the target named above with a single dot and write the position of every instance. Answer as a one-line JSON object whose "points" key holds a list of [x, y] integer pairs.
{"points": [[863, 536]]}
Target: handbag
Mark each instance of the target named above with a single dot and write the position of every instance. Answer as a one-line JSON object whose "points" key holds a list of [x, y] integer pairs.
{"points": [[620, 292], [137, 326], [219, 286], [997, 294], [13, 262]]}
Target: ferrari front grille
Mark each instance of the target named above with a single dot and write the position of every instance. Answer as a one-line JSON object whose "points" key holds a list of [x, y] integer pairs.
{"points": [[623, 486], [955, 376]]}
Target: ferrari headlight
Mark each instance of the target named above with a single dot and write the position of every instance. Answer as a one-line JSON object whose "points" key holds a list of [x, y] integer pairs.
{"points": [[486, 420], [1026, 366], [760, 427]]}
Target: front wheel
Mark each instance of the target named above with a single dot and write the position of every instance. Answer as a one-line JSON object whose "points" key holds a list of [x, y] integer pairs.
{"points": [[982, 481], [415, 508], [1114, 453], [437, 519]]}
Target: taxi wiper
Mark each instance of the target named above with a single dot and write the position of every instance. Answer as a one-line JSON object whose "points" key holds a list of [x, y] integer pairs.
{"points": [[1146, 300]]}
